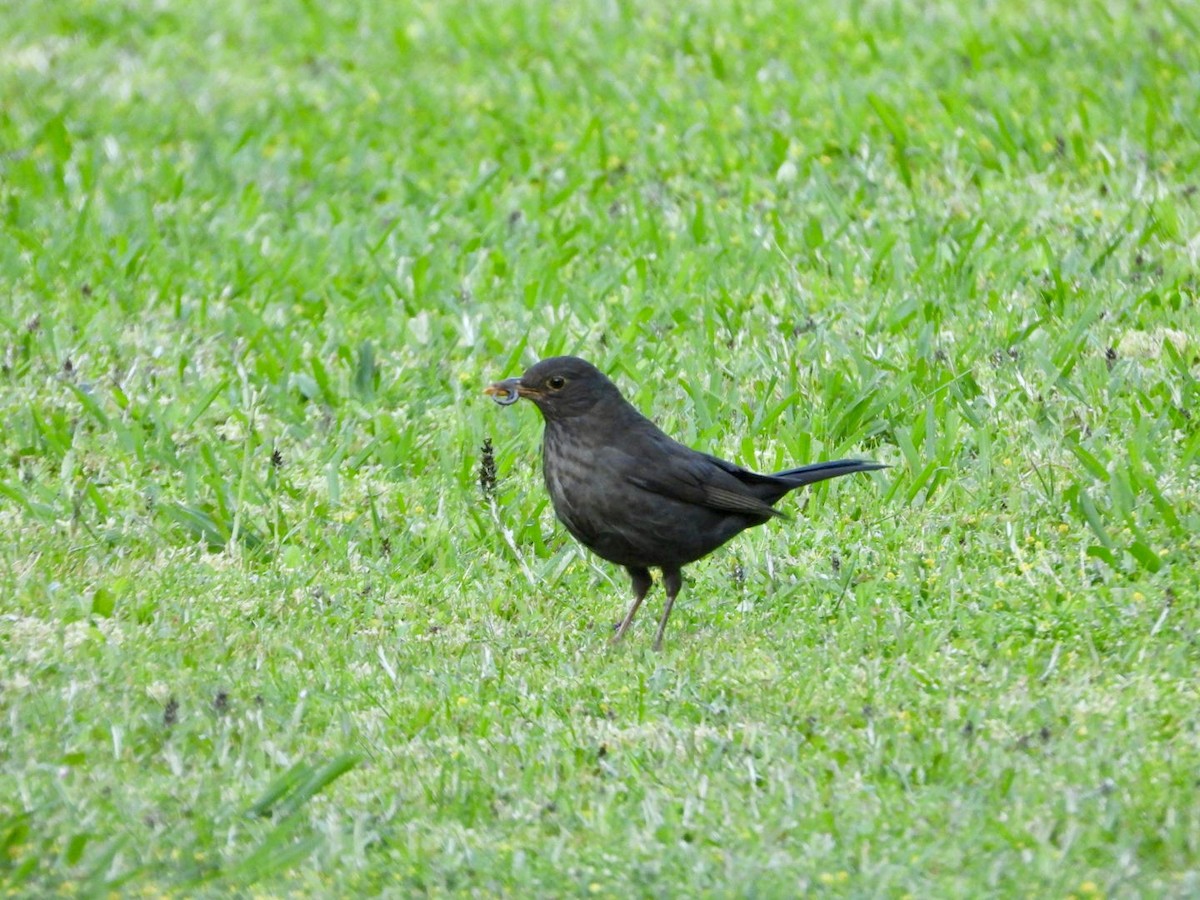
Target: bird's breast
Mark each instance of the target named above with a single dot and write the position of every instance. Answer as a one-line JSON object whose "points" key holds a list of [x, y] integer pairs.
{"points": [[576, 489], [566, 462]]}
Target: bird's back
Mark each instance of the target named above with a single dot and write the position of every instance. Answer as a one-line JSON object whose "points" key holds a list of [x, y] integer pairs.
{"points": [[636, 497]]}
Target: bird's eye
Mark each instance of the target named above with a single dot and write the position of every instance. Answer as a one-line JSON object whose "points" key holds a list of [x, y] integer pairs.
{"points": [[556, 382]]}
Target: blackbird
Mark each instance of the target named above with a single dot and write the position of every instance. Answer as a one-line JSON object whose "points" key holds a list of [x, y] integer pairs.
{"points": [[631, 494]]}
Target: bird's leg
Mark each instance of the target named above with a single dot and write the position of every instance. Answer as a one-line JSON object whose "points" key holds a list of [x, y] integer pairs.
{"points": [[641, 584], [672, 581]]}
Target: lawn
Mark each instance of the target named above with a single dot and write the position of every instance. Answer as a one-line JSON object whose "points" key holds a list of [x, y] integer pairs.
{"points": [[262, 630]]}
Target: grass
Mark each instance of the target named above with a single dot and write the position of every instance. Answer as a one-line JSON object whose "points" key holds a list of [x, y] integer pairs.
{"points": [[262, 633]]}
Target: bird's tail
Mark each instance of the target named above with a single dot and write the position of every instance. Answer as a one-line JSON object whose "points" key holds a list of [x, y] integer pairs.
{"points": [[821, 471]]}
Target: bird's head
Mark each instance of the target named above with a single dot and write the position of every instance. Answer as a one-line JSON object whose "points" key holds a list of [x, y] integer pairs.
{"points": [[561, 387]]}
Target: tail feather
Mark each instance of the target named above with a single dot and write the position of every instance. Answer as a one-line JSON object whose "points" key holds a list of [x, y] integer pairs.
{"points": [[811, 474], [771, 488]]}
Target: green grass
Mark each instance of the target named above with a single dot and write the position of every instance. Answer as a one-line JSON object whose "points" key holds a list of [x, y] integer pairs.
{"points": [[261, 633]]}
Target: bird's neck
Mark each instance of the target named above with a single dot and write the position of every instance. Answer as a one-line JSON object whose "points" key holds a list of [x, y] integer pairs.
{"points": [[607, 421]]}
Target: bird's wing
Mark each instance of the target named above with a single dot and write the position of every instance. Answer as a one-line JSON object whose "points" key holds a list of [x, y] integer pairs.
{"points": [[682, 474], [732, 501]]}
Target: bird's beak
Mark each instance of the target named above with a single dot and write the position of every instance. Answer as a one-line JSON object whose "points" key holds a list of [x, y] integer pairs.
{"points": [[508, 391]]}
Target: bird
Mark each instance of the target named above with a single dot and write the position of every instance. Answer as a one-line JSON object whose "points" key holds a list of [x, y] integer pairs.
{"points": [[631, 494]]}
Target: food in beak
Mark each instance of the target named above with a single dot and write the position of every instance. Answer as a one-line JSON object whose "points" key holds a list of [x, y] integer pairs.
{"points": [[504, 392]]}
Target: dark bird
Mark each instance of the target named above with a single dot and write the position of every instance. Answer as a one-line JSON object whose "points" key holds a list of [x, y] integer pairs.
{"points": [[631, 494]]}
